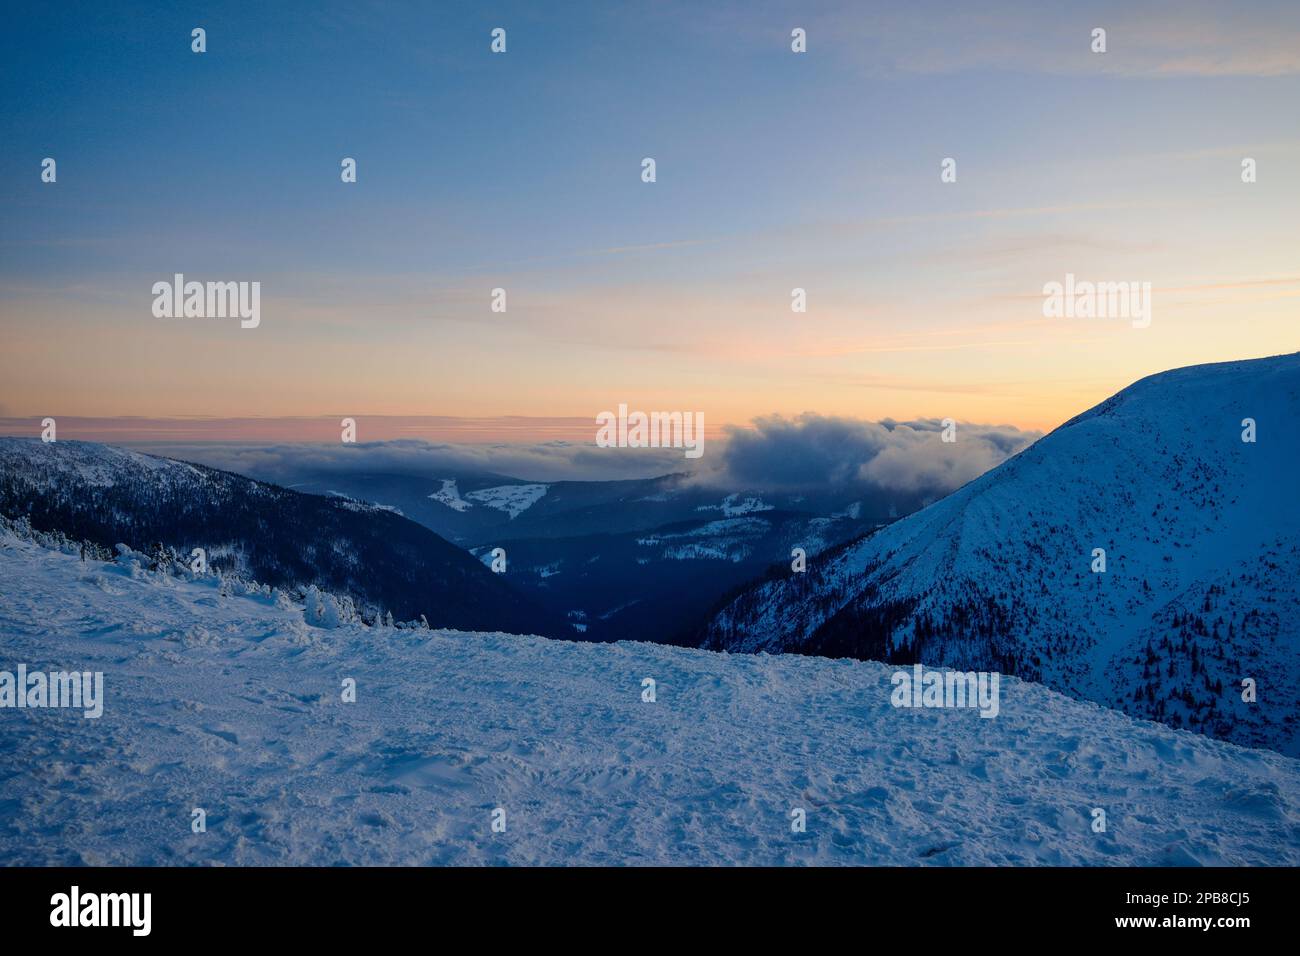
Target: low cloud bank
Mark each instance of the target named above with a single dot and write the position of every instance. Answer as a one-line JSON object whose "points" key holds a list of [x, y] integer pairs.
{"points": [[806, 452], [818, 451], [548, 461]]}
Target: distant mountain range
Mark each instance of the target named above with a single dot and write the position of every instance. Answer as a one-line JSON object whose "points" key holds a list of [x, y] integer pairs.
{"points": [[639, 559], [262, 532], [476, 509], [658, 585], [1201, 538]]}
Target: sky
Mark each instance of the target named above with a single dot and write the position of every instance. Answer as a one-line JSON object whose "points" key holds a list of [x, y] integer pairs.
{"points": [[522, 171]]}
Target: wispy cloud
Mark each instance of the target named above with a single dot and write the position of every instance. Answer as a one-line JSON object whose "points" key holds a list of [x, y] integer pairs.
{"points": [[1164, 39]]}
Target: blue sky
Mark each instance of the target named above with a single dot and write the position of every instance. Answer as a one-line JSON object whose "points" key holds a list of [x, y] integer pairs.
{"points": [[521, 170]]}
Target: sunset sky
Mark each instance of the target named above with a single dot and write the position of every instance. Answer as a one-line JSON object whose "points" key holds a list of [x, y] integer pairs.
{"points": [[775, 170]]}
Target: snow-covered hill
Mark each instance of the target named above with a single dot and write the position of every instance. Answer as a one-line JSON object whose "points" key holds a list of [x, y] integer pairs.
{"points": [[1201, 534], [259, 531], [233, 705]]}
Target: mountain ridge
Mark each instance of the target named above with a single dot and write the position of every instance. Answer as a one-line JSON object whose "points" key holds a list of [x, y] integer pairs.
{"points": [[1198, 593], [260, 531]]}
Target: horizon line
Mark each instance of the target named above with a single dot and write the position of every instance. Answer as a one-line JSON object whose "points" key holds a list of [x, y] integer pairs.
{"points": [[327, 429]]}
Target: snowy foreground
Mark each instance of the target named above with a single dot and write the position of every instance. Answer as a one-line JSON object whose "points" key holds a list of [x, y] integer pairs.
{"points": [[233, 704]]}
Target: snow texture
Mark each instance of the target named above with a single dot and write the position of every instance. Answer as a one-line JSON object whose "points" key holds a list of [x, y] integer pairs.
{"points": [[514, 500], [233, 704], [449, 495]]}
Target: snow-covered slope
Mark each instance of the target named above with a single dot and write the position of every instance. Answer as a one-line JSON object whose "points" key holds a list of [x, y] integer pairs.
{"points": [[259, 531], [233, 705], [514, 500], [1201, 533]]}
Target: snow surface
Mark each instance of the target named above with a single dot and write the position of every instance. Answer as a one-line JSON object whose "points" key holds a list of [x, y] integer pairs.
{"points": [[732, 506], [354, 504], [726, 539], [233, 704], [449, 495], [514, 500]]}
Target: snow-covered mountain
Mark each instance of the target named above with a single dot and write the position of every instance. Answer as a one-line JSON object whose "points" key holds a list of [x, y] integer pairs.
{"points": [[232, 705], [1201, 534], [481, 510], [259, 531]]}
